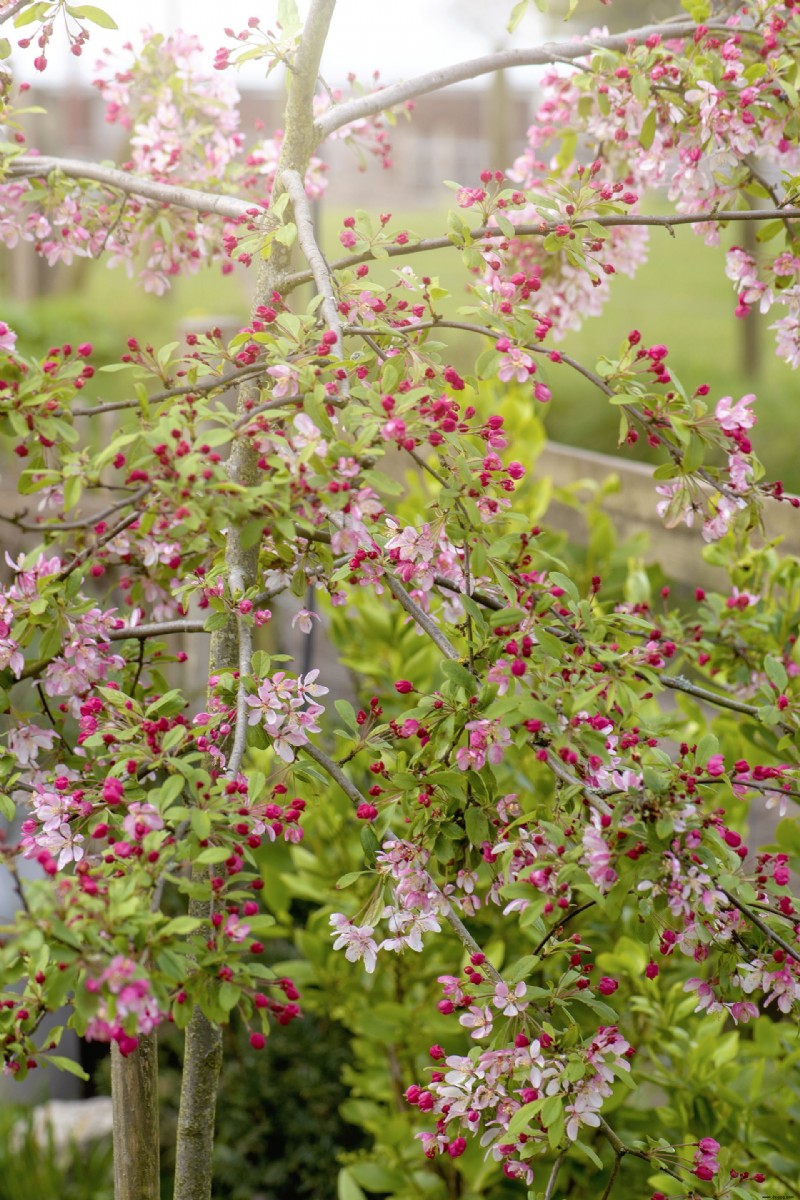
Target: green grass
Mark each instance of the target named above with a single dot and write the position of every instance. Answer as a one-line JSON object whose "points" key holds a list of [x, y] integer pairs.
{"points": [[681, 297]]}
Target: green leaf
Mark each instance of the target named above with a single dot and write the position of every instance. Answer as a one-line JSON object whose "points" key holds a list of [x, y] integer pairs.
{"points": [[565, 583], [522, 1117], [287, 234], [347, 1188], [347, 714], [229, 996], [36, 12], [349, 879], [698, 10], [66, 1064], [88, 12], [551, 1110], [214, 854], [201, 823], [180, 925], [776, 672], [289, 17], [370, 843], [477, 826], [460, 676], [517, 13], [648, 132]]}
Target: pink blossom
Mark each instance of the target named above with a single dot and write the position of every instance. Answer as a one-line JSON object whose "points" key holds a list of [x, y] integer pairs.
{"points": [[8, 338], [357, 938], [287, 385], [733, 416], [515, 365], [478, 1020]]}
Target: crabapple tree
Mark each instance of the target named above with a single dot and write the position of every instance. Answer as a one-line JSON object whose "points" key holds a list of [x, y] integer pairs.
{"points": [[550, 895]]}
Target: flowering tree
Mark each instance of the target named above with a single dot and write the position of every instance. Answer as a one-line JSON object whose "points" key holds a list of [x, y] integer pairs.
{"points": [[552, 799]]}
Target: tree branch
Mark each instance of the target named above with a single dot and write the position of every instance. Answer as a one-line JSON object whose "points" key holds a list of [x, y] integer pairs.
{"points": [[208, 383], [421, 618], [35, 166], [245, 631], [677, 683], [156, 629], [314, 256], [551, 1183], [754, 919], [203, 1052], [108, 536], [12, 10], [592, 795], [538, 56], [457, 925], [542, 229], [91, 519]]}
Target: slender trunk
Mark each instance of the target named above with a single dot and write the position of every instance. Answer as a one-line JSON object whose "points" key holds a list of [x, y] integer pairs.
{"points": [[203, 1045], [202, 1059], [134, 1093]]}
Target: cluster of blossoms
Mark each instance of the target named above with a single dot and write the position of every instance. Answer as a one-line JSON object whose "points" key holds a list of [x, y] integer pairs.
{"points": [[479, 1096], [417, 904], [126, 1005], [766, 285], [285, 709]]}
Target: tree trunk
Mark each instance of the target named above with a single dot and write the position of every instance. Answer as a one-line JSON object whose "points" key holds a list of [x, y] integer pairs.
{"points": [[201, 1066], [134, 1096], [203, 1047]]}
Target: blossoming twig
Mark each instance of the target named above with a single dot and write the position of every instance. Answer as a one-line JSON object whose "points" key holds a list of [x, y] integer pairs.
{"points": [[40, 166], [543, 228], [245, 632], [537, 56], [762, 925]]}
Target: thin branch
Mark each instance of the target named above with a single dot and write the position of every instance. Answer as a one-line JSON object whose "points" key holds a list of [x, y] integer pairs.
{"points": [[542, 229], [482, 598], [109, 536], [539, 56], [575, 912], [245, 631], [91, 519], [551, 1183], [156, 629], [678, 683], [335, 771], [457, 925], [33, 166], [314, 256], [12, 10], [421, 618], [612, 1177], [139, 668], [209, 383], [754, 919], [592, 795]]}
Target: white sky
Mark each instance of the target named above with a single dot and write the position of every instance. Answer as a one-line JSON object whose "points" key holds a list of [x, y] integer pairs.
{"points": [[399, 38]]}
